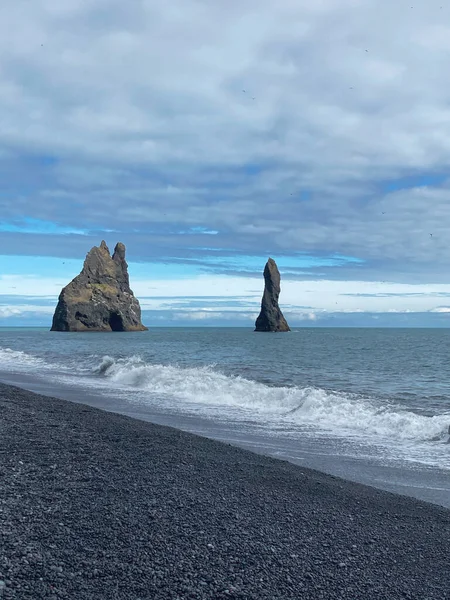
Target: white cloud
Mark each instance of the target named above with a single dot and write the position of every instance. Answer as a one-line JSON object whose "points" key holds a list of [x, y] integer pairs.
{"points": [[175, 97], [9, 311], [15, 310], [302, 316], [208, 315], [113, 86], [330, 296], [320, 296], [441, 309]]}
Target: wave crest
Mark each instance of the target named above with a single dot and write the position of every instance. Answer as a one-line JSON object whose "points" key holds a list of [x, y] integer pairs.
{"points": [[18, 358], [337, 412]]}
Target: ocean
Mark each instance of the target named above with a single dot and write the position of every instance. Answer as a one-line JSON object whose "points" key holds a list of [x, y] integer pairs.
{"points": [[369, 405]]}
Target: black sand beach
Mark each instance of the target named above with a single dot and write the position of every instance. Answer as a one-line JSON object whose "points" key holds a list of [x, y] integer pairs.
{"points": [[95, 505]]}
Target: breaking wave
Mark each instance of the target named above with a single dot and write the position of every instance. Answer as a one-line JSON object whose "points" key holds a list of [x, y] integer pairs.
{"points": [[19, 359], [336, 412]]}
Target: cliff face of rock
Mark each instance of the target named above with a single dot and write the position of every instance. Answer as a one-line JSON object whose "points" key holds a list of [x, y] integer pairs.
{"points": [[99, 298], [271, 318]]}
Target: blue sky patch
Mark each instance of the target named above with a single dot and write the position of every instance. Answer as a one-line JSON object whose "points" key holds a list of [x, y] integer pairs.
{"points": [[256, 263], [198, 230], [413, 181], [30, 225]]}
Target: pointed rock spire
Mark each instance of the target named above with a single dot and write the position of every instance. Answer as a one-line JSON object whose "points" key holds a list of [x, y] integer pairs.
{"points": [[121, 266], [271, 318]]}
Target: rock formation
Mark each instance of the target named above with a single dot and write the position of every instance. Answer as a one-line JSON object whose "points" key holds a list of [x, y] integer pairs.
{"points": [[99, 298], [271, 318]]}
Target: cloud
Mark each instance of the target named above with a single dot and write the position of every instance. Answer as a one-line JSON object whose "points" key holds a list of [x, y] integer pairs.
{"points": [[198, 230], [400, 295], [312, 131], [9, 311], [441, 309], [209, 315], [233, 295], [301, 316]]}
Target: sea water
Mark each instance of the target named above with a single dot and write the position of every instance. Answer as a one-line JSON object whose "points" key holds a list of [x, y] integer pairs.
{"points": [[371, 405]]}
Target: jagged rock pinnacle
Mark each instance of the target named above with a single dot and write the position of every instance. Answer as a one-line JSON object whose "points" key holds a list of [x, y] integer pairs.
{"points": [[99, 298]]}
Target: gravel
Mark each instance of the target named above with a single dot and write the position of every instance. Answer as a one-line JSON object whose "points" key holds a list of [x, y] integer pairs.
{"points": [[95, 505]]}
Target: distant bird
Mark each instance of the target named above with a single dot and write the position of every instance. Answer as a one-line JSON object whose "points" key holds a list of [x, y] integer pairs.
{"points": [[367, 51], [350, 88], [431, 235], [244, 91]]}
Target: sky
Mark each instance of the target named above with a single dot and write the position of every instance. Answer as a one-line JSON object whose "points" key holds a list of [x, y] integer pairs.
{"points": [[208, 136]]}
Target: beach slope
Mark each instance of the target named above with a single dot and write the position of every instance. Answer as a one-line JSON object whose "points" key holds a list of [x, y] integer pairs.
{"points": [[95, 505]]}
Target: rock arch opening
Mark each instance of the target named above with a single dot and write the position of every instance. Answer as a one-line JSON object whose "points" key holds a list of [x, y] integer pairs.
{"points": [[116, 322]]}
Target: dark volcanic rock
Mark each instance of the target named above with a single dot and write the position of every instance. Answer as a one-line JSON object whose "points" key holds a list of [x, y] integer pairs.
{"points": [[99, 298], [271, 318]]}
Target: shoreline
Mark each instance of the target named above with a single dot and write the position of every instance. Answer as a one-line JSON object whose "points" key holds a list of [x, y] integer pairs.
{"points": [[97, 505], [301, 451]]}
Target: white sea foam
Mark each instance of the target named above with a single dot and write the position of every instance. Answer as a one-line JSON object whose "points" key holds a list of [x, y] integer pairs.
{"points": [[336, 412], [17, 359]]}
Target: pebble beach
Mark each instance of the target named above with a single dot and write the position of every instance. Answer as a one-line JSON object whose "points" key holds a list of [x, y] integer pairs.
{"points": [[96, 505]]}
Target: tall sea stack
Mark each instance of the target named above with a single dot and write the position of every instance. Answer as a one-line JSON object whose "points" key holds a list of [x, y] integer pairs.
{"points": [[99, 298], [271, 318]]}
